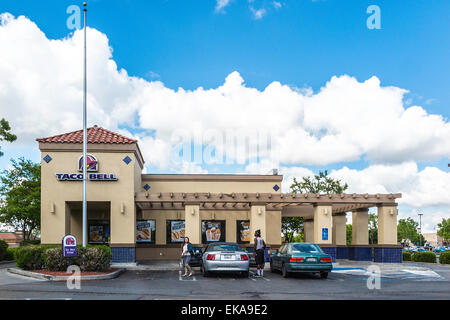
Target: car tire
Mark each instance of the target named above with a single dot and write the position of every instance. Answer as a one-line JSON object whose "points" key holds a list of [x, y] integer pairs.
{"points": [[204, 272], [284, 271], [244, 274], [324, 275]]}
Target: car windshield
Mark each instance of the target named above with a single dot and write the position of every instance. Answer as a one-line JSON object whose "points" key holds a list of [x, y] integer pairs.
{"points": [[305, 248], [224, 247]]}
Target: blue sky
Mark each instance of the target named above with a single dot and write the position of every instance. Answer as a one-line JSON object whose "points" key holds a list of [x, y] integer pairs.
{"points": [[298, 43], [305, 42]]}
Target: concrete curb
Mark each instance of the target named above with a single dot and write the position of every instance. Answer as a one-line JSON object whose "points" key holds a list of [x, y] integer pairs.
{"points": [[6, 262], [47, 277]]}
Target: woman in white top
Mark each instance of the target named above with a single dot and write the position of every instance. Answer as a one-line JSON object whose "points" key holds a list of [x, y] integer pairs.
{"points": [[187, 250]]}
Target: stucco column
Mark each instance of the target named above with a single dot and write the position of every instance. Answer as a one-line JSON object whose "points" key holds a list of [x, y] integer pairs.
{"points": [[339, 230], [308, 229], [193, 223], [323, 224], [387, 224], [258, 219], [360, 227], [123, 223]]}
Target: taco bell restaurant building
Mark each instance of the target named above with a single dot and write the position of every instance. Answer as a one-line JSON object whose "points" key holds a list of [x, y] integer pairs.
{"points": [[145, 216]]}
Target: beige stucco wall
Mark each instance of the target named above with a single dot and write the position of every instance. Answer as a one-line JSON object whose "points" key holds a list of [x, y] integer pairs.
{"points": [[211, 186], [339, 230], [323, 218], [387, 225], [58, 193], [308, 227], [360, 227]]}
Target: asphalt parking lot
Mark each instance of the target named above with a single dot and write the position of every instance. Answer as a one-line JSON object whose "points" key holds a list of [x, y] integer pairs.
{"points": [[407, 281]]}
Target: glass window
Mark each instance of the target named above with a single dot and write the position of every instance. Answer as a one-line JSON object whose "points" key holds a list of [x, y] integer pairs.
{"points": [[99, 232], [243, 231], [175, 231], [224, 247], [145, 231], [305, 248], [213, 231]]}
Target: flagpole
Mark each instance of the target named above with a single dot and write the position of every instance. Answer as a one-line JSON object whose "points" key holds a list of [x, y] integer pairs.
{"points": [[85, 133]]}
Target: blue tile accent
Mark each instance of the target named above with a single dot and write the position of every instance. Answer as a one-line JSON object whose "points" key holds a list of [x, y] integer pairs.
{"points": [[276, 188], [147, 187], [127, 160], [123, 255], [47, 158], [390, 255], [360, 254], [342, 253], [331, 251]]}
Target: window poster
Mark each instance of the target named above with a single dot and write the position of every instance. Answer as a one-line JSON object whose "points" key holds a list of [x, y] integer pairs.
{"points": [[213, 231], [243, 234], [145, 231], [99, 232], [177, 231]]}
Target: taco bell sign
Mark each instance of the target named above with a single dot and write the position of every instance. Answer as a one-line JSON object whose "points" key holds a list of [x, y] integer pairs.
{"points": [[69, 244]]}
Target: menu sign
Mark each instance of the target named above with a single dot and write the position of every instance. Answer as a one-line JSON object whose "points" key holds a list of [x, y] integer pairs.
{"points": [[244, 231], [99, 233], [145, 230], [177, 231]]}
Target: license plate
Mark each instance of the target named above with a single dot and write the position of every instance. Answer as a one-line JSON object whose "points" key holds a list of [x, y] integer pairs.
{"points": [[228, 257], [311, 259]]}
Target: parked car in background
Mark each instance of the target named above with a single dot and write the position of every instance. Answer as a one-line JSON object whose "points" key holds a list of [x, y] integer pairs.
{"points": [[225, 257], [301, 257], [196, 259]]}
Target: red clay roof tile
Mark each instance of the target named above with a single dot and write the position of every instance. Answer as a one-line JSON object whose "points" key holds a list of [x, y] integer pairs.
{"points": [[95, 134]]}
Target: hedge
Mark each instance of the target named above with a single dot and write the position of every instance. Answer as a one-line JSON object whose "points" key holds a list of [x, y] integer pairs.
{"points": [[406, 256], [424, 257], [10, 254], [444, 257], [3, 249], [92, 258], [24, 243]]}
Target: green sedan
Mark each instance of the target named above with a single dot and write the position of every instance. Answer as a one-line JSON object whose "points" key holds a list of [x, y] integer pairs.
{"points": [[301, 257]]}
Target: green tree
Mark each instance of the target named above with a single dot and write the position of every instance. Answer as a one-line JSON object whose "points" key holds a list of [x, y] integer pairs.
{"points": [[348, 230], [373, 228], [322, 183], [408, 229], [444, 230], [5, 135], [291, 226], [20, 197]]}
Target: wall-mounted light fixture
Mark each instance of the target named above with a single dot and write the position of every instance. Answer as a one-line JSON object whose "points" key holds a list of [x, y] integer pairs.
{"points": [[122, 208], [391, 211], [325, 211], [52, 207], [193, 211], [260, 211]]}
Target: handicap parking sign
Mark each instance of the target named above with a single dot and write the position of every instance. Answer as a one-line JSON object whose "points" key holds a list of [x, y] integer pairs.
{"points": [[324, 233]]}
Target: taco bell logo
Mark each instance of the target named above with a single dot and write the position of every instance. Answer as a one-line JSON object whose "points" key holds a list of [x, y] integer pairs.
{"points": [[92, 163], [70, 241]]}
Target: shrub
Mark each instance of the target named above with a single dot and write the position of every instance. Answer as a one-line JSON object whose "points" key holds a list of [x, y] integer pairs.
{"points": [[3, 249], [54, 260], [25, 243], [424, 257], [92, 258], [444, 257], [10, 254], [30, 257], [406, 256]]}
